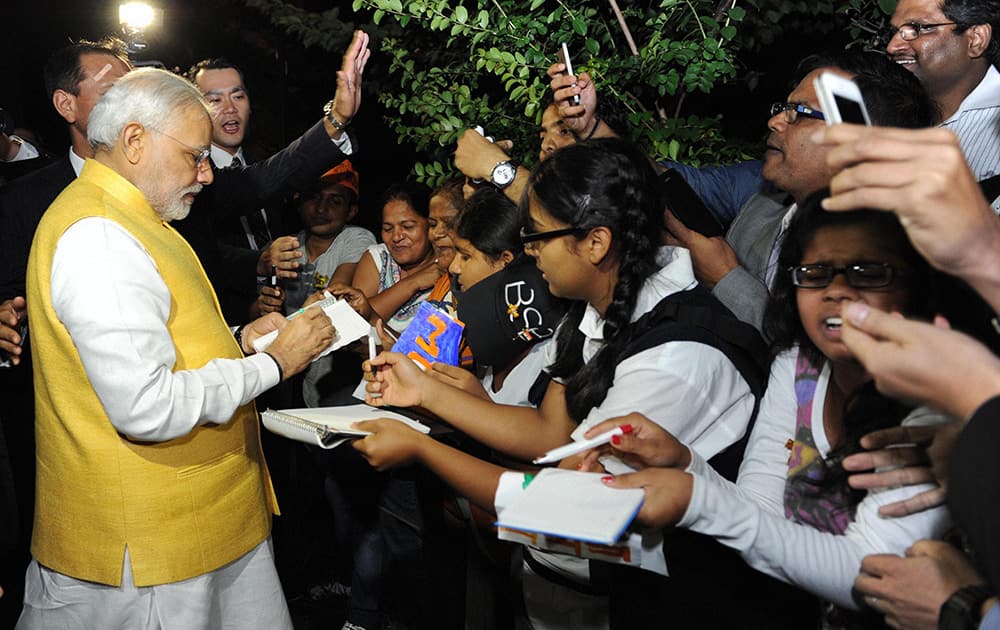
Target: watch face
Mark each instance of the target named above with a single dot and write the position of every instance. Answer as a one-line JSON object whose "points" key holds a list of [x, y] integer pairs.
{"points": [[503, 174]]}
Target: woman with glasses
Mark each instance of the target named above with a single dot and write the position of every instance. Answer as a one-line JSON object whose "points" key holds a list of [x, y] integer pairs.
{"points": [[792, 513], [593, 225]]}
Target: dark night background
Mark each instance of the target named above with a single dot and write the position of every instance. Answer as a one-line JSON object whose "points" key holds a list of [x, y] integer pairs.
{"points": [[289, 84]]}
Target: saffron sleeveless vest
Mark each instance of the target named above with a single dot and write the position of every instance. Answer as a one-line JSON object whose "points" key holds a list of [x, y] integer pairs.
{"points": [[183, 507]]}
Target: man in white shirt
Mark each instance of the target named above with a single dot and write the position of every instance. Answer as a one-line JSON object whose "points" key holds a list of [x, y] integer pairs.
{"points": [[950, 46], [164, 412]]}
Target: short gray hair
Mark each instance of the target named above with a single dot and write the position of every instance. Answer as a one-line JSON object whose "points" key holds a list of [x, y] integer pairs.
{"points": [[148, 96]]}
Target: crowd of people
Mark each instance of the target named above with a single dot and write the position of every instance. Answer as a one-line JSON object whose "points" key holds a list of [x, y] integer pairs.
{"points": [[806, 401]]}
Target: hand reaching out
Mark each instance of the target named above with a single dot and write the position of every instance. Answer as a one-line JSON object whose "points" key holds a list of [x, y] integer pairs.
{"points": [[912, 455], [390, 444], [397, 381], [283, 253], [643, 443]]}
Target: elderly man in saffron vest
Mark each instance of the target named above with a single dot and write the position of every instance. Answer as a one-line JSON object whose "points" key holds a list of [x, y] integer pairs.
{"points": [[154, 502]]}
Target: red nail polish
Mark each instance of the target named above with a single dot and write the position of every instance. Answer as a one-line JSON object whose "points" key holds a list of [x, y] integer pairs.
{"points": [[616, 439], [627, 428], [608, 478]]}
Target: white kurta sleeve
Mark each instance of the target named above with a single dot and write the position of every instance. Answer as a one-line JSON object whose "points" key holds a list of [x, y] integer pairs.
{"points": [[107, 292]]}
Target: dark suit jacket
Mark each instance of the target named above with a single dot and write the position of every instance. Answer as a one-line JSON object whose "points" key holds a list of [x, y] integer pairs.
{"points": [[751, 236], [236, 191], [22, 203]]}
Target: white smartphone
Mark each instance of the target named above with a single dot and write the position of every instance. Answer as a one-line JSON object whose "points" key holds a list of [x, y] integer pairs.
{"points": [[564, 54], [841, 100]]}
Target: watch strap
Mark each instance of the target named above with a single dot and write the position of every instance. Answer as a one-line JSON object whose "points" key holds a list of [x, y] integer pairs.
{"points": [[328, 113], [962, 611]]}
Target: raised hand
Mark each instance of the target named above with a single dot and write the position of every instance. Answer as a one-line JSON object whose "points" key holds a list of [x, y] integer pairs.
{"points": [[347, 99]]}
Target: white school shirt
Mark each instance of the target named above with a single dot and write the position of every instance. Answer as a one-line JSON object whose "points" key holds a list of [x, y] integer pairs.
{"points": [[690, 389]]}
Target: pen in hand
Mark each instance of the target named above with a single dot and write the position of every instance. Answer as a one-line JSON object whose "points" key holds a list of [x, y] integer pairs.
{"points": [[574, 448], [371, 357]]}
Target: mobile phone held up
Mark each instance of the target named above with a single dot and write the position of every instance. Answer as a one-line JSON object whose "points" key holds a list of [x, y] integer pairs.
{"points": [[841, 100], [564, 58], [685, 204]]}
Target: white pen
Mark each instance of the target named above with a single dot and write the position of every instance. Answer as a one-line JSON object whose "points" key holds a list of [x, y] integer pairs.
{"points": [[371, 357], [573, 448]]}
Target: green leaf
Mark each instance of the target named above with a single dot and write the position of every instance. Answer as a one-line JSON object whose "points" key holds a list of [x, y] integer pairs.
{"points": [[580, 26], [461, 14], [534, 4], [728, 32], [674, 149], [737, 14], [887, 7], [419, 168]]}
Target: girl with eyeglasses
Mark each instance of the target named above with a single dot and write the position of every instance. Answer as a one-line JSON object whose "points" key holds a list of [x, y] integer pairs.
{"points": [[792, 513], [593, 225]]}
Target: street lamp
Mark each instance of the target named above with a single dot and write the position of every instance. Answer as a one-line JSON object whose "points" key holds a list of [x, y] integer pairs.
{"points": [[135, 18]]}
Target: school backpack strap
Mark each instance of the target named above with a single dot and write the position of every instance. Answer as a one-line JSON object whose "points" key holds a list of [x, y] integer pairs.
{"points": [[696, 315]]}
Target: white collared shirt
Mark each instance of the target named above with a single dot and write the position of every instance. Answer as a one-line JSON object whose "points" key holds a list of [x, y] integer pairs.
{"points": [[75, 161], [691, 389], [977, 125]]}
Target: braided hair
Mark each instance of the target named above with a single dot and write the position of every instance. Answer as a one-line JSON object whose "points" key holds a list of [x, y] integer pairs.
{"points": [[601, 183]]}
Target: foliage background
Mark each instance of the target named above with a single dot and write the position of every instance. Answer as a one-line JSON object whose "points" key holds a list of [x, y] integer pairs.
{"points": [[454, 65]]}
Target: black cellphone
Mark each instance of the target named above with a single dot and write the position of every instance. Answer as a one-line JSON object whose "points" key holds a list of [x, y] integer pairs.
{"points": [[22, 331], [687, 206]]}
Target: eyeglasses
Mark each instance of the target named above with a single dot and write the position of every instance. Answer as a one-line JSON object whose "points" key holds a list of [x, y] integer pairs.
{"points": [[530, 239], [859, 275], [200, 155], [793, 110], [912, 30]]}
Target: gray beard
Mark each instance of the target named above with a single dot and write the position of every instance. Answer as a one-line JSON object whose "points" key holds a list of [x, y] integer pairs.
{"points": [[178, 208]]}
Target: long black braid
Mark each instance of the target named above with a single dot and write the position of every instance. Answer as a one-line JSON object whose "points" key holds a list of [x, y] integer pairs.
{"points": [[601, 183]]}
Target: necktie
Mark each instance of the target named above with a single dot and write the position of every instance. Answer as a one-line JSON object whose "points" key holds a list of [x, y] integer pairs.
{"points": [[255, 223]]}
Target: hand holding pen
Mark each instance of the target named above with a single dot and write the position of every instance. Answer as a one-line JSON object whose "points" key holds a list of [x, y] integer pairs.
{"points": [[282, 255], [271, 298], [647, 444]]}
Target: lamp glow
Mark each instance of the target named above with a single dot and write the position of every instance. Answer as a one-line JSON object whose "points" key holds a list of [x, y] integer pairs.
{"points": [[135, 15]]}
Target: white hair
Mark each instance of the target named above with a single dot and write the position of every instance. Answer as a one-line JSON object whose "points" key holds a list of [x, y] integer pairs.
{"points": [[148, 96]]}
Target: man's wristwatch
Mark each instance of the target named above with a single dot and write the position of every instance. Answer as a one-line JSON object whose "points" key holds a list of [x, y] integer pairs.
{"points": [[963, 610], [503, 174], [328, 113]]}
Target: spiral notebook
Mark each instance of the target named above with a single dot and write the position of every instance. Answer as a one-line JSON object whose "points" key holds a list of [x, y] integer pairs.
{"points": [[572, 504], [329, 427]]}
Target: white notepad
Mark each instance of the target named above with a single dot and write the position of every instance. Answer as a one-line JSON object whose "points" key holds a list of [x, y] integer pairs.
{"points": [[348, 326], [573, 504], [328, 427]]}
